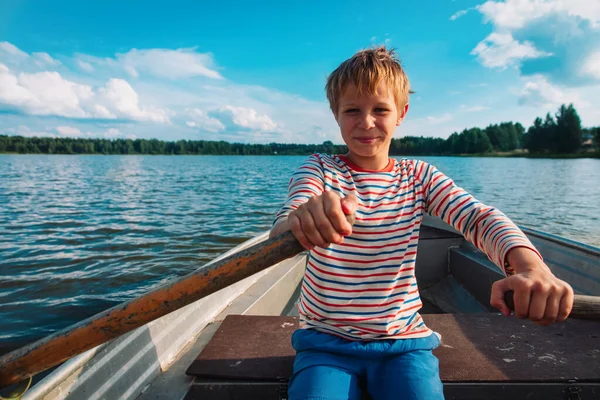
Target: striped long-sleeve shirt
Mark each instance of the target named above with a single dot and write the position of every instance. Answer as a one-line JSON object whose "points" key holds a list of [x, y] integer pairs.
{"points": [[365, 288]]}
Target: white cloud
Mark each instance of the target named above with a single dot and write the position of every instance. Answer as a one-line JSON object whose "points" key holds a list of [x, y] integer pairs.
{"points": [[436, 119], [23, 130], [68, 131], [200, 104], [43, 59], [538, 92], [87, 67], [119, 95], [132, 71], [554, 46], [459, 14], [12, 50], [161, 63], [11, 54], [387, 41], [112, 133], [500, 50], [526, 32], [591, 66], [515, 14], [248, 118], [44, 93], [48, 93], [172, 64], [63, 131], [199, 119]]}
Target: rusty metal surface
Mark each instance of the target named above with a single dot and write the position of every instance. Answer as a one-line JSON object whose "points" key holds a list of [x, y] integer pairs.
{"points": [[475, 348], [53, 350], [249, 347]]}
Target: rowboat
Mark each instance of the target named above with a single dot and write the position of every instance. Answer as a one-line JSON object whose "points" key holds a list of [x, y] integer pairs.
{"points": [[234, 343]]}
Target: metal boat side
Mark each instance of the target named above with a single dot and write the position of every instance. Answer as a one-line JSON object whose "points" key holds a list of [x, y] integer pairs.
{"points": [[125, 366], [150, 362]]}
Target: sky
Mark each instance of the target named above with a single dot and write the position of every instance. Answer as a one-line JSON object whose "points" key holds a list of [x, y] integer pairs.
{"points": [[254, 72]]}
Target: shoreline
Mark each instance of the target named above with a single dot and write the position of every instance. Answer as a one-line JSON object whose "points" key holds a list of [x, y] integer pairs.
{"points": [[592, 155]]}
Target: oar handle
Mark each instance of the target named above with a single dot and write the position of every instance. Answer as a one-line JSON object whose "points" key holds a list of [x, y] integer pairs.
{"points": [[50, 351], [584, 307]]}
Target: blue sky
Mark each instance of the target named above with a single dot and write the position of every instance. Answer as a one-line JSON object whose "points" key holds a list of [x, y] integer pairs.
{"points": [[240, 71]]}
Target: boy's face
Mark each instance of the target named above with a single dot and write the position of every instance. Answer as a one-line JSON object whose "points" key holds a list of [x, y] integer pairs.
{"points": [[367, 124]]}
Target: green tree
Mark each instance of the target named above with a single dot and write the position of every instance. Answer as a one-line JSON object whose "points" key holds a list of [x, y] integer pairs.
{"points": [[3, 144], [535, 140], [128, 147], [482, 143], [328, 146], [512, 135], [568, 130], [497, 137], [548, 136], [596, 136], [520, 129]]}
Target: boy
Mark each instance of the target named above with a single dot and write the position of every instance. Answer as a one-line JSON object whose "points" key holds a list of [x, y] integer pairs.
{"points": [[359, 301]]}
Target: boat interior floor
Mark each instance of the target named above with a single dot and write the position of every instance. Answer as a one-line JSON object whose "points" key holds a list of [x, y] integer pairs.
{"points": [[482, 355]]}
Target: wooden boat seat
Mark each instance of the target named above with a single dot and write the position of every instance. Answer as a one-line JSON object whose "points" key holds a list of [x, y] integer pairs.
{"points": [[476, 348]]}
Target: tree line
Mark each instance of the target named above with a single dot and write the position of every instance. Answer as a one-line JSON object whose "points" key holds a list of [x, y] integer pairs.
{"points": [[49, 145], [558, 134]]}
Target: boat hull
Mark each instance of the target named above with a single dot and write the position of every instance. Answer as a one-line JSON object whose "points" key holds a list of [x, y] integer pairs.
{"points": [[152, 360]]}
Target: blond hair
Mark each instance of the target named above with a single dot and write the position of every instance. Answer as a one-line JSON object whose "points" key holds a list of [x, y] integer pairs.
{"points": [[366, 69]]}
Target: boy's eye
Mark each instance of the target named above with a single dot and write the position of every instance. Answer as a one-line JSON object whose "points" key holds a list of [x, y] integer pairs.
{"points": [[381, 110], [351, 110]]}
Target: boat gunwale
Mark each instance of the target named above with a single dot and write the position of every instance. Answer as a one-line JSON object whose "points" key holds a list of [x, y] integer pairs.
{"points": [[438, 223], [62, 372], [570, 243]]}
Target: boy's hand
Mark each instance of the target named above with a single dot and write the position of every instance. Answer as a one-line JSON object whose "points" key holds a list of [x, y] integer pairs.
{"points": [[322, 220], [538, 294]]}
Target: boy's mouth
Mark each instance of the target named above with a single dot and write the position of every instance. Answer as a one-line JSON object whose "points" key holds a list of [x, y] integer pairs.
{"points": [[366, 140]]}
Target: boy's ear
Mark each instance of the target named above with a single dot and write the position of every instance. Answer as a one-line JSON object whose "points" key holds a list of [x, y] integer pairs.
{"points": [[402, 115]]}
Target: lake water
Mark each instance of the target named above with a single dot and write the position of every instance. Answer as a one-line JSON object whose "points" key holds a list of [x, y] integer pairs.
{"points": [[79, 234]]}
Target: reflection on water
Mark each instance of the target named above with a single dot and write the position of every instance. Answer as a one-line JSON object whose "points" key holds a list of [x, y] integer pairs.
{"points": [[79, 234]]}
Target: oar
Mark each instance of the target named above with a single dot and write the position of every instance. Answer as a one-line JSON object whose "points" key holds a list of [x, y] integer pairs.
{"points": [[584, 307], [53, 350], [109, 324]]}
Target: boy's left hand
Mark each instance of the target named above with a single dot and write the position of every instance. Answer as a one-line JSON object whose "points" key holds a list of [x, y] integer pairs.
{"points": [[538, 294]]}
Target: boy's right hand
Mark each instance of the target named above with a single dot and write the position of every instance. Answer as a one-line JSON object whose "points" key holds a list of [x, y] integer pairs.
{"points": [[322, 220]]}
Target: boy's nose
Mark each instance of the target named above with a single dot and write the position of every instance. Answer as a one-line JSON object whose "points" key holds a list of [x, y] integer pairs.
{"points": [[367, 121]]}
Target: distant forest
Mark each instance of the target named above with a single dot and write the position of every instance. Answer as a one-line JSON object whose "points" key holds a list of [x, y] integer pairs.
{"points": [[561, 134]]}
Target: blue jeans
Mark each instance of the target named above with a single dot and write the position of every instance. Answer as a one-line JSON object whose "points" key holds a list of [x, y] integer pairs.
{"points": [[328, 367]]}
